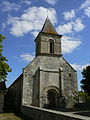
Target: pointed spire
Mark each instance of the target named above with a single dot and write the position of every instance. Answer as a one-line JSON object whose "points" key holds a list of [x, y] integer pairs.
{"points": [[48, 27]]}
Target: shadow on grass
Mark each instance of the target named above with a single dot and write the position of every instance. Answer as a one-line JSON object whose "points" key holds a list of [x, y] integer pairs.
{"points": [[86, 113], [23, 117], [17, 113]]}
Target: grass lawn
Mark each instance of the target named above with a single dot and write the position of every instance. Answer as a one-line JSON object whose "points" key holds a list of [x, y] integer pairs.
{"points": [[13, 116]]}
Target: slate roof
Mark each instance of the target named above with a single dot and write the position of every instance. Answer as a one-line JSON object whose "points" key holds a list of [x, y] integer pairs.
{"points": [[21, 76], [2, 86], [48, 27]]}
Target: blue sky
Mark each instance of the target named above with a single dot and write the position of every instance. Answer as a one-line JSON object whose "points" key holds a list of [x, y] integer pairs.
{"points": [[21, 20]]}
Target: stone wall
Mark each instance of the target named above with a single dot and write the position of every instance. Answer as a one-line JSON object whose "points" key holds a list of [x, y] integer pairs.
{"points": [[1, 101], [29, 73], [44, 114], [14, 94], [43, 44], [49, 72]]}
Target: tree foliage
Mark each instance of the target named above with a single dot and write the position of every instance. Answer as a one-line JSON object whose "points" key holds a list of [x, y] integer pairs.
{"points": [[4, 67], [85, 82]]}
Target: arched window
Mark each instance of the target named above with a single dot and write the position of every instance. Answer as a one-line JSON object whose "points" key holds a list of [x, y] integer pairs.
{"points": [[51, 46], [70, 75]]}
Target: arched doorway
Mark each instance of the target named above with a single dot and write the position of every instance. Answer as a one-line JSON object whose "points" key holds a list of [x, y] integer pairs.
{"points": [[52, 98]]}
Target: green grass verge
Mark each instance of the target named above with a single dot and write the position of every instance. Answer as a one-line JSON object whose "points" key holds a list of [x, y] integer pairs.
{"points": [[13, 116]]}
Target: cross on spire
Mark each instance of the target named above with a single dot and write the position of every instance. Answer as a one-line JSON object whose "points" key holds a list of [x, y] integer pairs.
{"points": [[47, 12]]}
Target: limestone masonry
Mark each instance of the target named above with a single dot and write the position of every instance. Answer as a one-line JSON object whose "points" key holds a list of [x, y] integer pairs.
{"points": [[49, 81]]}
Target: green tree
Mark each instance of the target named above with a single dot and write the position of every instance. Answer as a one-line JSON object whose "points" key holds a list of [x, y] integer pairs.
{"points": [[85, 82], [4, 67]]}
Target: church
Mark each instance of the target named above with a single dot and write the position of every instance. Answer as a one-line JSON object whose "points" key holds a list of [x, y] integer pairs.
{"points": [[48, 81]]}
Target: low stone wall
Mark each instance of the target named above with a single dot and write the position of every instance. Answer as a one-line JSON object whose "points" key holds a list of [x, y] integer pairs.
{"points": [[13, 96], [43, 114], [83, 106]]}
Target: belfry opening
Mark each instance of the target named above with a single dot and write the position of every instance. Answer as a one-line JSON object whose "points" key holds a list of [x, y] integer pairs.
{"points": [[51, 46]]}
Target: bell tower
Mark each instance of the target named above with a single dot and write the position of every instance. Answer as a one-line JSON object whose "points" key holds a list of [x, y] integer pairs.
{"points": [[48, 41], [49, 81]]}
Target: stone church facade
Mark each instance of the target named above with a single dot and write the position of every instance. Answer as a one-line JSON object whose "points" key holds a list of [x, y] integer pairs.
{"points": [[49, 81]]}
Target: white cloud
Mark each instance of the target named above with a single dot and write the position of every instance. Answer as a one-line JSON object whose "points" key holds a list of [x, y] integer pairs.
{"points": [[84, 66], [78, 25], [21, 27], [27, 57], [85, 4], [28, 2], [78, 67], [31, 20], [8, 6], [66, 28], [52, 2], [35, 33], [71, 27], [69, 44], [69, 15], [3, 26], [87, 11], [86, 7]]}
